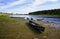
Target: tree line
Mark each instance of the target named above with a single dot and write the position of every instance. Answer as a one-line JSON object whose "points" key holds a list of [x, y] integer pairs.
{"points": [[46, 12]]}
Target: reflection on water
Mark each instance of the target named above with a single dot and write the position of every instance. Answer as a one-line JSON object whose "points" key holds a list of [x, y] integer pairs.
{"points": [[35, 17]]}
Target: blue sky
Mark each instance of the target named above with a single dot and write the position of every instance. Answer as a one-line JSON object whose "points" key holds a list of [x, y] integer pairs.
{"points": [[26, 6]]}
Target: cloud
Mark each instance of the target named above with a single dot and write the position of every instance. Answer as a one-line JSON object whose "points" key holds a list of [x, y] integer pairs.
{"points": [[13, 4], [33, 6], [53, 0], [38, 2], [18, 2]]}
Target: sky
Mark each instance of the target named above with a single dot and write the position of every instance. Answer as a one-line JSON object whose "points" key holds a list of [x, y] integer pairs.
{"points": [[26, 6]]}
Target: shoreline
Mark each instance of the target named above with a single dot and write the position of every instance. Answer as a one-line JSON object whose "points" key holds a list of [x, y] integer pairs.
{"points": [[16, 28]]}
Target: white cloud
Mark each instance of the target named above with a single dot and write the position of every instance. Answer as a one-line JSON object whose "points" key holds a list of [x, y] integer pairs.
{"points": [[30, 8], [13, 4], [38, 2], [53, 0], [35, 3]]}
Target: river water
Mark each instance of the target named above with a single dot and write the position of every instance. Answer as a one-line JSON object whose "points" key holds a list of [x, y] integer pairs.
{"points": [[35, 17]]}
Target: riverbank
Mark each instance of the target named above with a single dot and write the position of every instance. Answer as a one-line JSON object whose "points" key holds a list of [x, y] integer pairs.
{"points": [[16, 28], [50, 15]]}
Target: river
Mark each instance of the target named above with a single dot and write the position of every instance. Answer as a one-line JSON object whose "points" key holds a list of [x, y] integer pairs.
{"points": [[35, 17]]}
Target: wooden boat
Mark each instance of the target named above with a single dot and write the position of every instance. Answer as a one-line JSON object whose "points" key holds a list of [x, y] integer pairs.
{"points": [[36, 26]]}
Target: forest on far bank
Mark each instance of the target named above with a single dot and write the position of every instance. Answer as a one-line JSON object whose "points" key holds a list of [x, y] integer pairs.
{"points": [[46, 12]]}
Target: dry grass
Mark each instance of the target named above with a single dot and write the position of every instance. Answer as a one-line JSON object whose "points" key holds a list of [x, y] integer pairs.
{"points": [[16, 28], [50, 32]]}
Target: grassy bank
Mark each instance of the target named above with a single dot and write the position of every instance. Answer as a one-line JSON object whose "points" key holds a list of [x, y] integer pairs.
{"points": [[16, 28]]}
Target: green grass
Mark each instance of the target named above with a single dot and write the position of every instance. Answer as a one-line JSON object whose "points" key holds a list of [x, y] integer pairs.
{"points": [[16, 28]]}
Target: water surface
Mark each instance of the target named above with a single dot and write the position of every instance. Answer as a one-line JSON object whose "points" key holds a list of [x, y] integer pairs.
{"points": [[35, 17]]}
